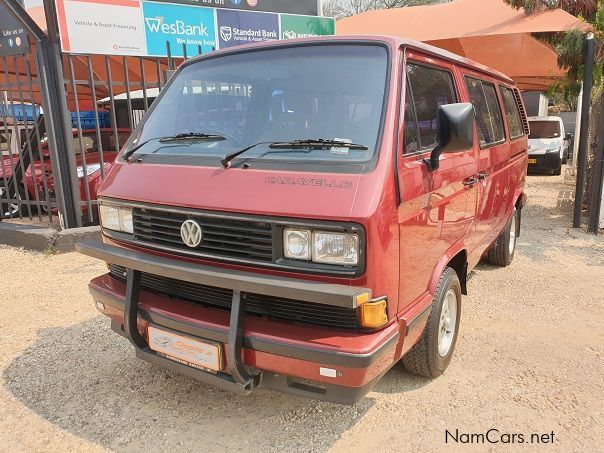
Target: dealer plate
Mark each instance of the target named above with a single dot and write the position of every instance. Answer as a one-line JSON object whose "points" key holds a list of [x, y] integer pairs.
{"points": [[532, 161], [205, 355]]}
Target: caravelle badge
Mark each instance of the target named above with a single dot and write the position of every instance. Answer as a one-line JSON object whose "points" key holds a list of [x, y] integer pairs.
{"points": [[191, 233]]}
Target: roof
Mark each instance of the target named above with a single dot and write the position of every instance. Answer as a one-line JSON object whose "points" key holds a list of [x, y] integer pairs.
{"points": [[488, 31], [459, 19]]}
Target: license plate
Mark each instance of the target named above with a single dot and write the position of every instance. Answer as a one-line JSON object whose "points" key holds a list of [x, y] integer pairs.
{"points": [[201, 354], [532, 161]]}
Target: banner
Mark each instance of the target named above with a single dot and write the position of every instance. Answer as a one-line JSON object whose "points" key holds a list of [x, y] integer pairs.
{"points": [[306, 7], [179, 25], [143, 28], [239, 27], [13, 37], [305, 26]]}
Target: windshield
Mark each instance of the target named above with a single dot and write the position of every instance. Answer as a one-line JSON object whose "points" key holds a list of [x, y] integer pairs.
{"points": [[333, 92], [544, 129]]}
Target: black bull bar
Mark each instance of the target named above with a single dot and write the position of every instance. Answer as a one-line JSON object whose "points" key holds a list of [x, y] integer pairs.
{"points": [[239, 379]]}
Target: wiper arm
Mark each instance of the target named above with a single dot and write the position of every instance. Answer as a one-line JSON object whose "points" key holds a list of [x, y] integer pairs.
{"points": [[173, 138], [193, 136], [315, 143]]}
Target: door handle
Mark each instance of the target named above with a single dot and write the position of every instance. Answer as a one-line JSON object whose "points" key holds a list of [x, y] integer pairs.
{"points": [[468, 182]]}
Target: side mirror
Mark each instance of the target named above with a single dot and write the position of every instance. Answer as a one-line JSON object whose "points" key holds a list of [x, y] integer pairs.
{"points": [[568, 136], [454, 131]]}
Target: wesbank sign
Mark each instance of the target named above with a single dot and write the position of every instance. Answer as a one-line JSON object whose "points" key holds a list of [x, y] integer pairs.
{"points": [[135, 27], [179, 25]]}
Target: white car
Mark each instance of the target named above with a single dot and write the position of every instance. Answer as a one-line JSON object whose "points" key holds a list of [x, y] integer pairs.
{"points": [[548, 144]]}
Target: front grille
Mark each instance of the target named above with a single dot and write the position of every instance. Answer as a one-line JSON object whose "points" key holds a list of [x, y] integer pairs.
{"points": [[223, 237], [257, 304]]}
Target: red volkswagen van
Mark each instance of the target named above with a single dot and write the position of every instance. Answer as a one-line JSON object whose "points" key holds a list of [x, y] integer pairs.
{"points": [[303, 215]]}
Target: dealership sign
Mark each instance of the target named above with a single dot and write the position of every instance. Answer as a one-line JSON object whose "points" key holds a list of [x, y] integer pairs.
{"points": [[147, 28]]}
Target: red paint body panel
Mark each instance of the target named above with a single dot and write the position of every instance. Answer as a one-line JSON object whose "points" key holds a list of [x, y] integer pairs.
{"points": [[408, 243]]}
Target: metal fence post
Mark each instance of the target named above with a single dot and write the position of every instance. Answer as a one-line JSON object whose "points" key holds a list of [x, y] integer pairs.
{"points": [[598, 178], [58, 128], [584, 138]]}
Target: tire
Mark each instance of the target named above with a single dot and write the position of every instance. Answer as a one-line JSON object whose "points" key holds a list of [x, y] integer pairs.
{"points": [[429, 357], [557, 171], [502, 252], [11, 209]]}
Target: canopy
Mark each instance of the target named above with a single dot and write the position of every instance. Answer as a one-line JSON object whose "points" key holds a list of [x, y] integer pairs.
{"points": [[488, 31]]}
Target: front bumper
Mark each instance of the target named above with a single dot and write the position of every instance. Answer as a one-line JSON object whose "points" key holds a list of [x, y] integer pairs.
{"points": [[253, 357], [547, 161]]}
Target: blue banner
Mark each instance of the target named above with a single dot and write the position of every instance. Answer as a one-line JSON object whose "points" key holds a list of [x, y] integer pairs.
{"points": [[192, 26], [242, 27]]}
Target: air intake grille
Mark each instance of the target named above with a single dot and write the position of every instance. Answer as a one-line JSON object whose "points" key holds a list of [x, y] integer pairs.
{"points": [[525, 123], [260, 305], [223, 237]]}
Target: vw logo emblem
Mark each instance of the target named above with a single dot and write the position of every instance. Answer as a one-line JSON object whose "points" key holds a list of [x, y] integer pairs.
{"points": [[191, 233]]}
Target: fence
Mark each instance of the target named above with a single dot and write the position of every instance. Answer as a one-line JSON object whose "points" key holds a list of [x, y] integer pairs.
{"points": [[93, 106]]}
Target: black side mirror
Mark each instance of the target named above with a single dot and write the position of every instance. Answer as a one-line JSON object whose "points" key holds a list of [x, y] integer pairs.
{"points": [[568, 136], [454, 130]]}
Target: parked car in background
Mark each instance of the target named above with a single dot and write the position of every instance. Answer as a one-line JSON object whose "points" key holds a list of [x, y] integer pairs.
{"points": [[548, 144], [88, 161], [321, 204]]}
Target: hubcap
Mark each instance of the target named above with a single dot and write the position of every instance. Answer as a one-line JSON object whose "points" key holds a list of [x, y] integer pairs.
{"points": [[512, 244], [448, 321]]}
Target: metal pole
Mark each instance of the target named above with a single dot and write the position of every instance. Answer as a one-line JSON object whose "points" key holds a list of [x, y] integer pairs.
{"points": [[598, 179], [584, 138]]}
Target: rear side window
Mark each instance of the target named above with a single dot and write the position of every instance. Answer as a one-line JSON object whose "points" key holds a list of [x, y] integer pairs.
{"points": [[429, 88], [512, 113], [489, 120]]}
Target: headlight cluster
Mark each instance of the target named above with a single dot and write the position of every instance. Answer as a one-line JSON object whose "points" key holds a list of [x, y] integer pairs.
{"points": [[321, 246], [116, 218]]}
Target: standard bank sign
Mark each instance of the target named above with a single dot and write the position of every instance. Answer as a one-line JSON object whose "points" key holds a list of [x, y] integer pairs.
{"points": [[243, 27], [179, 25]]}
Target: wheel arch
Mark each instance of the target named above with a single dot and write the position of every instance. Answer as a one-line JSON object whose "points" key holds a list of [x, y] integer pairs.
{"points": [[457, 259]]}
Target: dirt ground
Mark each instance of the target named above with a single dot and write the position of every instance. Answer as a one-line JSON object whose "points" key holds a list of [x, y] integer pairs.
{"points": [[528, 361]]}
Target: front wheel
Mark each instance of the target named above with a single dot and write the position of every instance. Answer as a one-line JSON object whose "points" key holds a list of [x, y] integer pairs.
{"points": [[431, 356]]}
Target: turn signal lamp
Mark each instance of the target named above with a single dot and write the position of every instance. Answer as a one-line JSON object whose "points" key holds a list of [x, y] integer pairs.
{"points": [[374, 314]]}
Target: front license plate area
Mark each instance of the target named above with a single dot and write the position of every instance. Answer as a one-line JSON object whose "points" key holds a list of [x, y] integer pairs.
{"points": [[532, 161], [203, 354]]}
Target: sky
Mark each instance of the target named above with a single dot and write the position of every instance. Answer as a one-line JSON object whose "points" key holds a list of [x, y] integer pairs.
{"points": [[30, 3]]}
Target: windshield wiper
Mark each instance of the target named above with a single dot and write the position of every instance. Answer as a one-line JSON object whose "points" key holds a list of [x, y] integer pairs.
{"points": [[174, 138], [312, 143]]}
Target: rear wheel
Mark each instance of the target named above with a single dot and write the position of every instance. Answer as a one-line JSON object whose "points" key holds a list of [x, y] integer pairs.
{"points": [[502, 252], [431, 356]]}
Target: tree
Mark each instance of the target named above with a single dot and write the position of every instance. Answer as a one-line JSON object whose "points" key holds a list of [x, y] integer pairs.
{"points": [[569, 47], [344, 8]]}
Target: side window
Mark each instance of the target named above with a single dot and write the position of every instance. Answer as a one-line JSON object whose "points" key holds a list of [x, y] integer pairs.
{"points": [[429, 88], [489, 120], [512, 113], [411, 134]]}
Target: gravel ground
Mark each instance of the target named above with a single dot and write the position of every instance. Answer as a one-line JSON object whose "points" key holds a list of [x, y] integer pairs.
{"points": [[528, 360]]}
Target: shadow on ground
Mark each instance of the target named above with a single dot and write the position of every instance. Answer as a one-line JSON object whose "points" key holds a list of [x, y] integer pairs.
{"points": [[86, 380]]}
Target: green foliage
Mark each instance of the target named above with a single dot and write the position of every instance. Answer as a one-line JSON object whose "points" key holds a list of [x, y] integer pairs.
{"points": [[570, 45]]}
